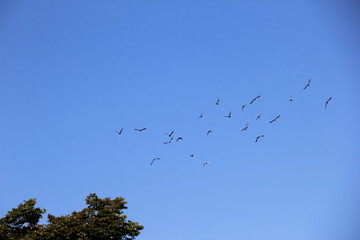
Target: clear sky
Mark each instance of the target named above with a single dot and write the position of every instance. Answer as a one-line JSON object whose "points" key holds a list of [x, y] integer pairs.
{"points": [[73, 72]]}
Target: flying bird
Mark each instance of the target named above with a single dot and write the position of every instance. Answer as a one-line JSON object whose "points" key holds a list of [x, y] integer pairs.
{"points": [[291, 99], [170, 134], [259, 116], [201, 115], [258, 137], [169, 141], [191, 155], [254, 99], [208, 132], [274, 119], [242, 108], [246, 127], [228, 116], [140, 130], [308, 84], [205, 163], [154, 159], [327, 102], [179, 138], [120, 132], [217, 102]]}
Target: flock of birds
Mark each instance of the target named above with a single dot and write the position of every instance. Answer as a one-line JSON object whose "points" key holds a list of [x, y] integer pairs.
{"points": [[171, 137]]}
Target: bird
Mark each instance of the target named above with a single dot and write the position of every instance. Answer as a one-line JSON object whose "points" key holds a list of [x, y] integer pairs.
{"points": [[120, 132], [291, 99], [170, 133], [191, 155], [217, 102], [201, 115], [228, 116], [274, 119], [208, 132], [242, 108], [254, 99], [308, 84], [205, 163], [259, 116], [154, 159], [327, 102], [179, 138], [258, 137], [246, 127], [140, 130], [169, 140]]}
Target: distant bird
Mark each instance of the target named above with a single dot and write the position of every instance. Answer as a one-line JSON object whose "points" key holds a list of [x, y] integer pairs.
{"points": [[170, 134], [254, 99], [169, 141], [152, 161], [217, 102], [327, 102], [201, 115], [246, 127], [179, 138], [259, 116], [228, 116], [242, 108], [291, 99], [308, 84], [274, 119], [258, 137], [191, 155], [208, 132], [140, 130], [120, 132], [205, 163]]}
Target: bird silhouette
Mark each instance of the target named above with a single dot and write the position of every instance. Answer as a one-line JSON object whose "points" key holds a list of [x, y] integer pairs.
{"points": [[254, 99], [191, 155], [308, 84], [274, 119], [208, 132], [154, 159], [169, 140], [217, 102], [259, 116], [242, 107], [258, 137], [246, 127], [201, 115], [327, 102], [291, 99], [140, 130], [228, 116], [205, 163], [170, 134], [120, 132], [179, 138]]}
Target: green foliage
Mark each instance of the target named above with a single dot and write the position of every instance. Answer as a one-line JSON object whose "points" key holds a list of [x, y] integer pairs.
{"points": [[101, 219]]}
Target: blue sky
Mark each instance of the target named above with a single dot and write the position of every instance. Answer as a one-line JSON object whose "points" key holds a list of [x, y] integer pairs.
{"points": [[73, 72]]}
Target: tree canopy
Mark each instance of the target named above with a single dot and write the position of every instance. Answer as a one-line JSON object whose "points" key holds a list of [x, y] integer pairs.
{"points": [[101, 219]]}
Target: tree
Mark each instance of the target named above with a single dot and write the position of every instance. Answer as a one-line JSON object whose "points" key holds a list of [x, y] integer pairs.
{"points": [[101, 219]]}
